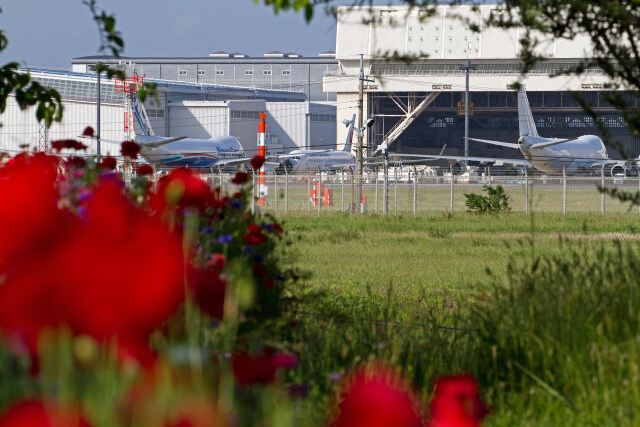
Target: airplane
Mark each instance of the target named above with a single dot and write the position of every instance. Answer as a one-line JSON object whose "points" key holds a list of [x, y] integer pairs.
{"points": [[310, 160], [168, 152], [549, 155]]}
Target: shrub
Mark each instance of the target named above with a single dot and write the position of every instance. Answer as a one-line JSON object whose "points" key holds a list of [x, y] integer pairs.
{"points": [[495, 201]]}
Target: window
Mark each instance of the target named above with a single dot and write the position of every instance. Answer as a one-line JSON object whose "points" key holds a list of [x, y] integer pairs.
{"points": [[201, 72], [155, 114], [219, 72], [267, 72], [322, 118], [238, 114], [182, 72], [286, 72], [248, 72]]}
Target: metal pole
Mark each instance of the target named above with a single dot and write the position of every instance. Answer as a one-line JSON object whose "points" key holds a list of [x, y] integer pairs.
{"points": [[489, 174], [385, 206], [220, 173], [342, 190], [451, 172], [319, 192], [98, 116], [359, 130], [275, 190], [526, 191], [286, 191], [602, 194], [395, 190], [415, 191], [467, 66], [564, 190], [377, 168]]}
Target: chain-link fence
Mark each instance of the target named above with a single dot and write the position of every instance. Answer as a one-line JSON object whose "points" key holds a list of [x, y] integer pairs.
{"points": [[322, 192]]}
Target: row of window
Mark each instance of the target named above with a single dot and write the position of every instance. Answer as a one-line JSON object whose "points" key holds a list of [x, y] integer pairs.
{"points": [[322, 118], [80, 90], [239, 114], [155, 114], [246, 72]]}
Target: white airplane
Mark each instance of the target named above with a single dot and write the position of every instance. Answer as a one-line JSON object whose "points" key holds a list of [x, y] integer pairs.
{"points": [[311, 160], [549, 155]]}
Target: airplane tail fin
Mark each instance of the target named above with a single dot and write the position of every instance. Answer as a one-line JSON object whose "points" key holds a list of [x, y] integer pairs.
{"points": [[525, 118], [347, 143]]}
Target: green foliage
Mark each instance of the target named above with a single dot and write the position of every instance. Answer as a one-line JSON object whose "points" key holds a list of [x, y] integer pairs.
{"points": [[494, 202]]}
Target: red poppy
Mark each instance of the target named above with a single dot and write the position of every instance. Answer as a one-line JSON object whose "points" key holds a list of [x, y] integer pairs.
{"points": [[79, 146], [261, 368], [260, 269], [145, 170], [240, 178], [208, 291], [34, 413], [108, 163], [254, 235], [278, 228], [88, 131], [268, 283], [76, 162], [182, 189], [130, 149], [64, 143], [376, 397], [456, 403], [257, 162], [217, 262]]}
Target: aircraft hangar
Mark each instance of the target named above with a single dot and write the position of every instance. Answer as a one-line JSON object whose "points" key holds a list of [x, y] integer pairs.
{"points": [[419, 105]]}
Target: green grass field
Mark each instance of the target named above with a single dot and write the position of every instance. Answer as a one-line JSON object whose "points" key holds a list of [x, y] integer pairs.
{"points": [[550, 333]]}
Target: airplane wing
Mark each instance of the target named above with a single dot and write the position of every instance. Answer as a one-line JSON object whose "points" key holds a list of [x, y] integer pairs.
{"points": [[495, 161], [223, 162], [548, 144], [286, 156], [156, 144], [500, 143]]}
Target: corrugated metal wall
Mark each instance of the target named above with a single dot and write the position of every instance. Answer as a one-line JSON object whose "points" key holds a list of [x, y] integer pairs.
{"points": [[198, 119], [20, 127], [288, 121]]}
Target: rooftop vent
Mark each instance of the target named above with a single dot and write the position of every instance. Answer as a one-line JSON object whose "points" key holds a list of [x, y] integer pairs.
{"points": [[327, 54], [219, 54], [239, 55], [274, 54], [293, 55]]}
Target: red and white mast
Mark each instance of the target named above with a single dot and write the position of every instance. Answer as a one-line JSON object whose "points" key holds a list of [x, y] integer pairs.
{"points": [[261, 187]]}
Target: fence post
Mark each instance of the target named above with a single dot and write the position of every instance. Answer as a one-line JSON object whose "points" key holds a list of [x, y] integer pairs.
{"points": [[451, 172], [308, 191], [639, 192], [343, 190], [220, 173], [376, 177], [275, 190], [489, 174], [564, 190], [415, 191], [526, 191], [319, 187], [395, 190], [602, 194], [286, 191], [385, 206]]}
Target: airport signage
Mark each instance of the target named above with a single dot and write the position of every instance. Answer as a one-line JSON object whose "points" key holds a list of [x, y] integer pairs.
{"points": [[441, 87], [592, 86]]}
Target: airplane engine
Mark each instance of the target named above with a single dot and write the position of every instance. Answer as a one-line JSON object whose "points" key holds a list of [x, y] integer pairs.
{"points": [[459, 168], [623, 169]]}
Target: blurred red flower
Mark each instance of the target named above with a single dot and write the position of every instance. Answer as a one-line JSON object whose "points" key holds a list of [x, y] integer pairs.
{"points": [[240, 178], [208, 291], [217, 262], [260, 269], [76, 162], [268, 283], [375, 396], [254, 235], [145, 170], [88, 131], [108, 163], [33, 413], [257, 162], [182, 189], [130, 149], [456, 403], [261, 368]]}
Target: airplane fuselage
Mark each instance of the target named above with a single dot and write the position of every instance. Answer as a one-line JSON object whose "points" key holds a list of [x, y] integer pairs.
{"points": [[198, 153], [573, 155], [314, 159]]}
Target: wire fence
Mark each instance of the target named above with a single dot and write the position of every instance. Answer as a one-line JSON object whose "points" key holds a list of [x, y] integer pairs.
{"points": [[325, 193]]}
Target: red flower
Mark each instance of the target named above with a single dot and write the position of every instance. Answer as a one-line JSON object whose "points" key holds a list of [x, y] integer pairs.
{"points": [[278, 228], [376, 397], [260, 269], [130, 149], [208, 291], [79, 146], [145, 170], [65, 143], [88, 131], [76, 162], [268, 283], [217, 262], [257, 162], [261, 368], [33, 413], [237, 195], [456, 403], [254, 235], [108, 163], [240, 178], [182, 189]]}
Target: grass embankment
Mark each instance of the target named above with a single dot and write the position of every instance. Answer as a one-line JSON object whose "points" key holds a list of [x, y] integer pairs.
{"points": [[551, 333]]}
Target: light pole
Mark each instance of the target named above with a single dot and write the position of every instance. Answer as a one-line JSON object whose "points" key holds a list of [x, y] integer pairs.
{"points": [[466, 67]]}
